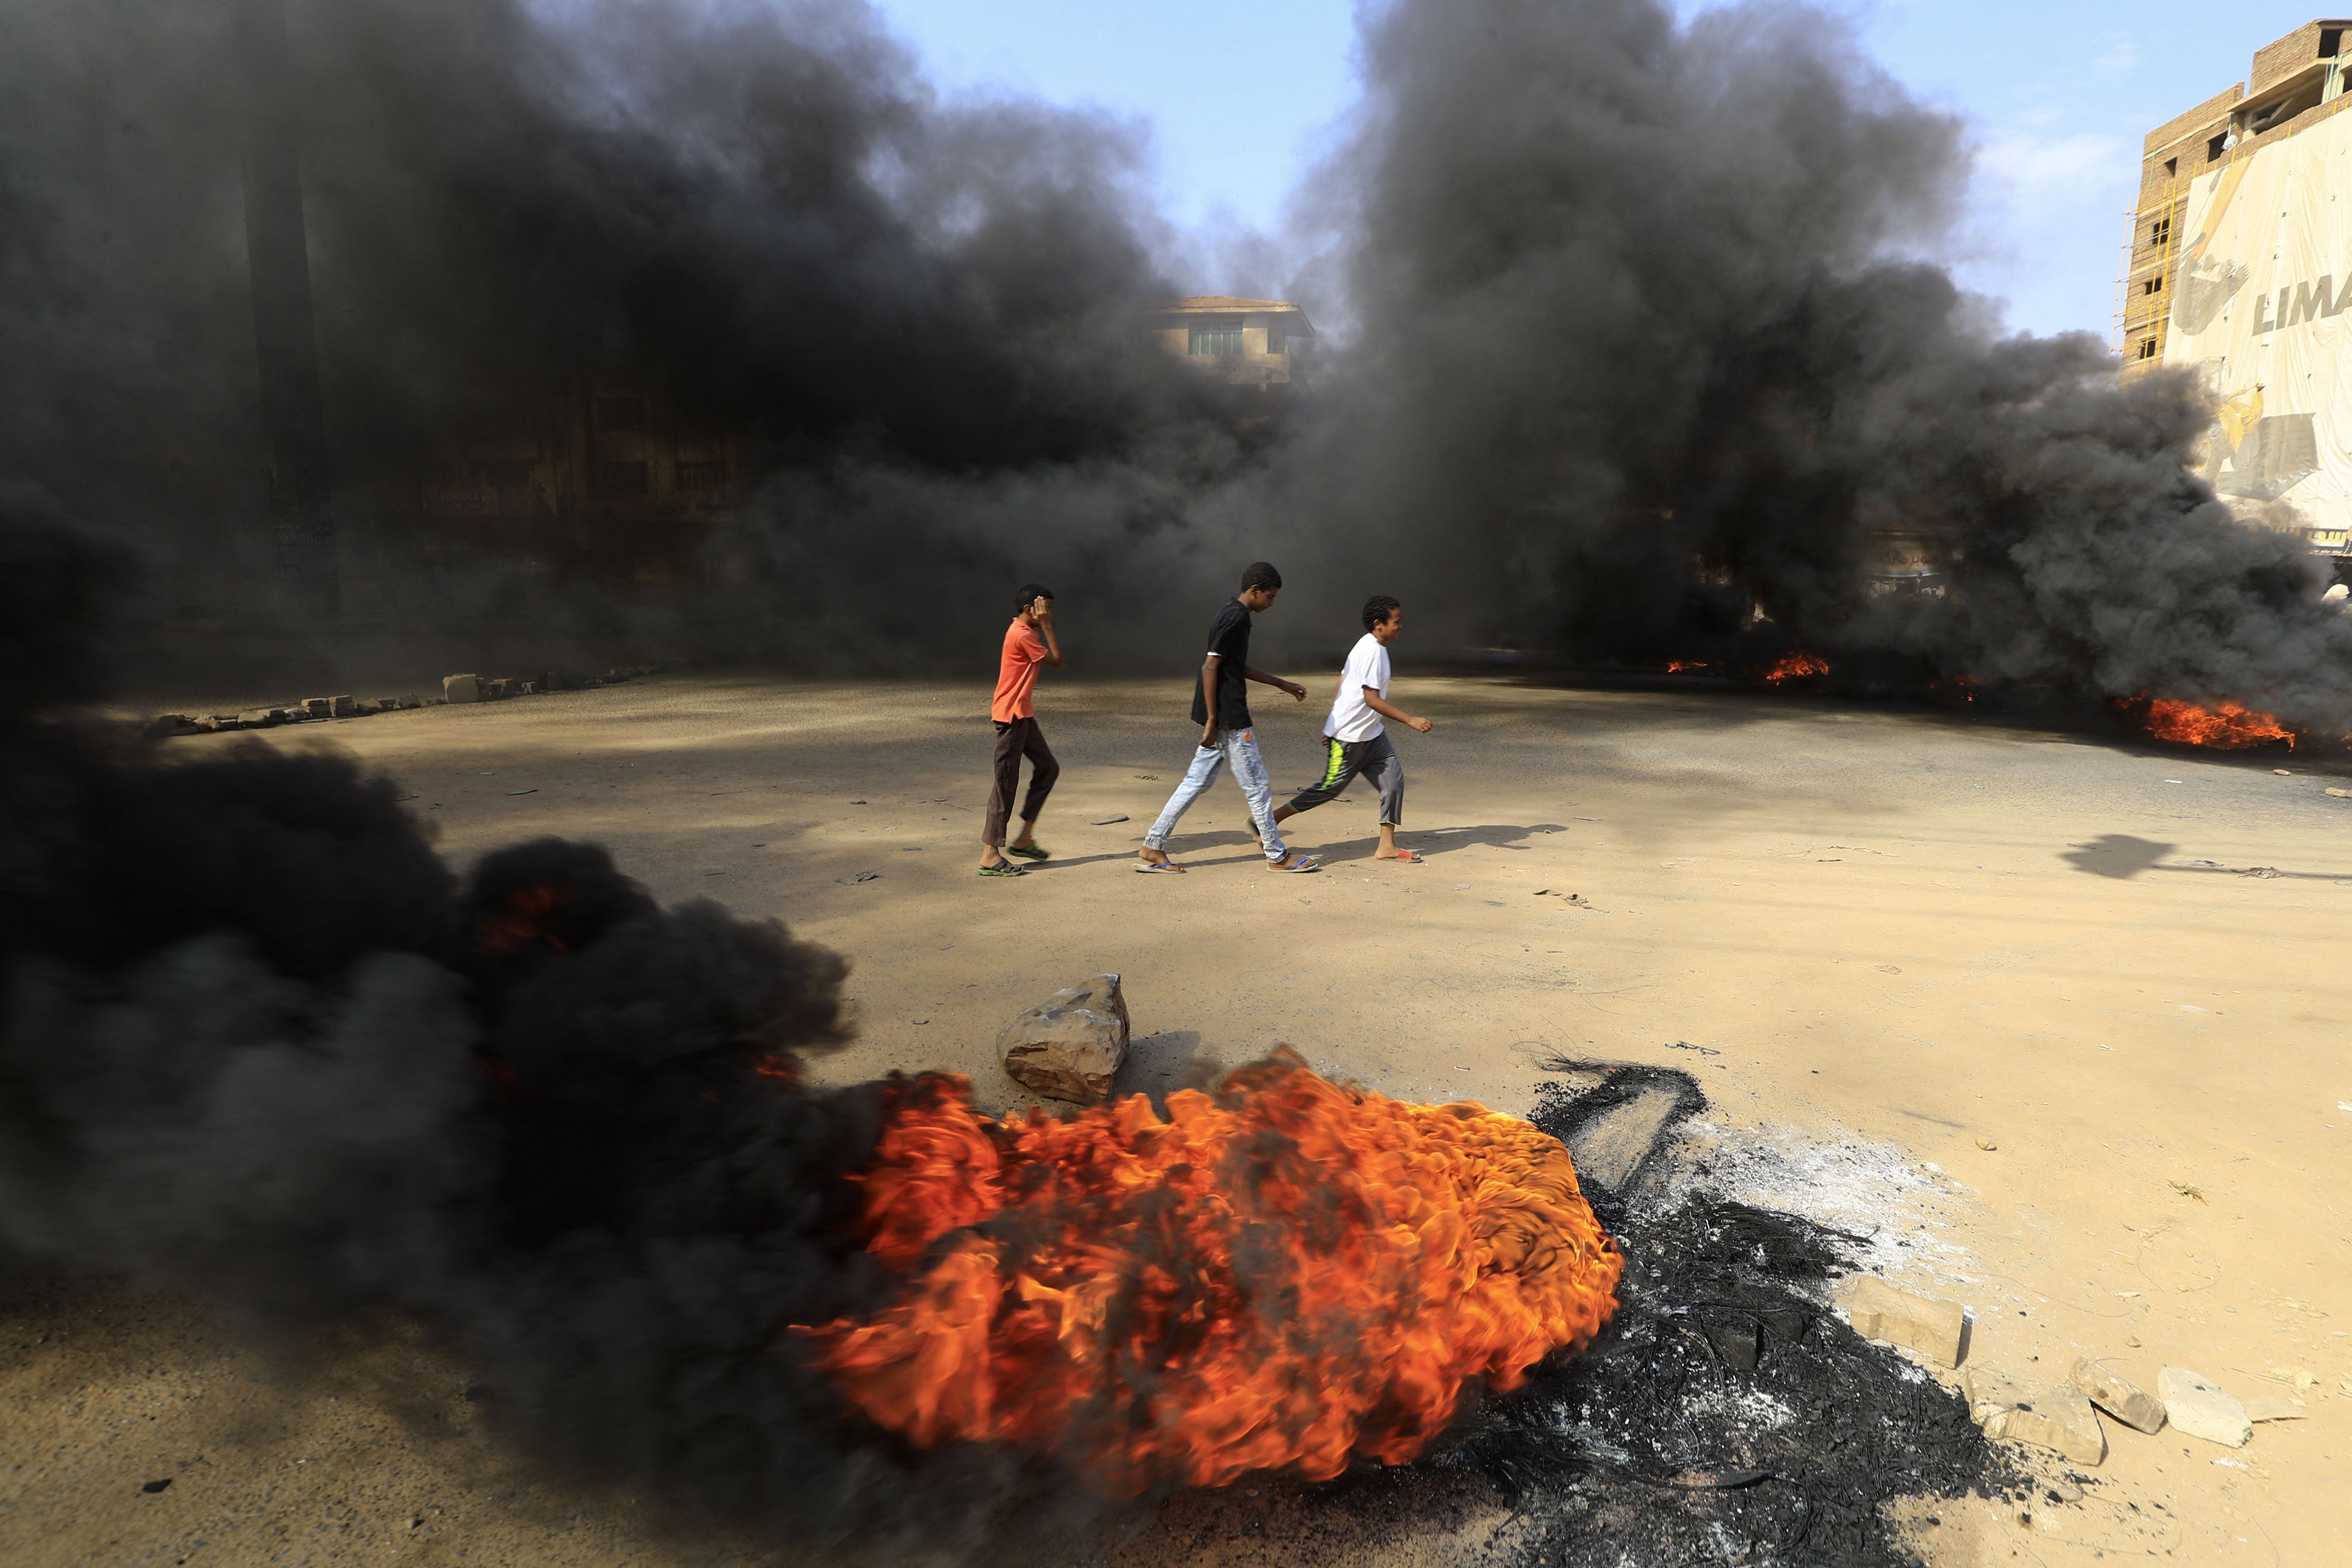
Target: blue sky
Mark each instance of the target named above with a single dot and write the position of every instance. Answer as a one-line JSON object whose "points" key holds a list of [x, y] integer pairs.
{"points": [[2057, 94]]}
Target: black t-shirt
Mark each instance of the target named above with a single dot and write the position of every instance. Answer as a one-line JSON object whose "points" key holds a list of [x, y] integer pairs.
{"points": [[1229, 640]]}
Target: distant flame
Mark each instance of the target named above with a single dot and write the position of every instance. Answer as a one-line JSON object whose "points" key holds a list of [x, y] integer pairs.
{"points": [[1287, 1274], [1676, 665], [1795, 666], [2233, 727], [522, 924]]}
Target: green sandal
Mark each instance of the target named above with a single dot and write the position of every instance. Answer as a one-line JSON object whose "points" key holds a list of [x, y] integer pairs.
{"points": [[1029, 852], [1002, 869]]}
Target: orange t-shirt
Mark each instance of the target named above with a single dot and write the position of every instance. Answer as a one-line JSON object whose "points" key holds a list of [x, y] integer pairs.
{"points": [[1024, 653]]}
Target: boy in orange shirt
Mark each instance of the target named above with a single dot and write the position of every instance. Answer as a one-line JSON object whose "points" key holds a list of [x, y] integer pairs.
{"points": [[1029, 642]]}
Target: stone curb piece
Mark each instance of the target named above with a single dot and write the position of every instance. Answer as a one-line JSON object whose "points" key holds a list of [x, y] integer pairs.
{"points": [[1879, 1311], [461, 688], [2270, 1407], [2126, 1401], [1069, 1046], [2201, 1410], [2056, 1417]]}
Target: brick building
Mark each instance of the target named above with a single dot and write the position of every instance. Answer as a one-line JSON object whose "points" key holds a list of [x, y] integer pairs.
{"points": [[2238, 244]]}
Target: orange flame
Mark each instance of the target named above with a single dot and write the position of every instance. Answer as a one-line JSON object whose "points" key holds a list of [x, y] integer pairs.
{"points": [[522, 923], [1676, 665], [2232, 728], [1794, 666], [1288, 1273]]}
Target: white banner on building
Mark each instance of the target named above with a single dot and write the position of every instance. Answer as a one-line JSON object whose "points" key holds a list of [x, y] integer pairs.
{"points": [[2258, 306]]}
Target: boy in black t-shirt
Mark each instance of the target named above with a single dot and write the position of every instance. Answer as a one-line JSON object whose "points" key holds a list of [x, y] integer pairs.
{"points": [[1221, 707]]}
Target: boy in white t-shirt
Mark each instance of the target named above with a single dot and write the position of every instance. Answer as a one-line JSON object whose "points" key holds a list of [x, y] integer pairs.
{"points": [[1355, 741]]}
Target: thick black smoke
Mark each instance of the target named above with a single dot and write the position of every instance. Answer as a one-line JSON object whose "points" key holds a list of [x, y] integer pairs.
{"points": [[918, 315], [257, 1040], [1636, 340], [1632, 300]]}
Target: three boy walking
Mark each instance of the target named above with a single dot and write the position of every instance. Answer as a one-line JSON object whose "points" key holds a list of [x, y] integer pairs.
{"points": [[1356, 742]]}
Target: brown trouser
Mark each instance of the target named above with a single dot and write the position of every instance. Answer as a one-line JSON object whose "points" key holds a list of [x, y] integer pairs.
{"points": [[1015, 740]]}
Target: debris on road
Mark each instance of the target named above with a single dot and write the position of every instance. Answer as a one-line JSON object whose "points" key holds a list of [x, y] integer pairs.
{"points": [[1069, 1046], [2057, 1417], [1879, 1311], [1106, 821], [2119, 1397], [2271, 1407], [2197, 1407], [858, 877]]}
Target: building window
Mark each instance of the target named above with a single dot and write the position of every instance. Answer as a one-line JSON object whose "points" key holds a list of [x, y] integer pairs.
{"points": [[624, 478], [621, 412], [2160, 233], [2172, 167], [2154, 285], [701, 476], [1274, 343], [2216, 147], [2331, 42], [2148, 348], [1215, 338]]}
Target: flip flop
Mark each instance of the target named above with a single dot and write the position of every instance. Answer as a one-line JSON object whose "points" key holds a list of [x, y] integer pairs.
{"points": [[1304, 863], [1030, 852], [1148, 867], [1002, 869], [1404, 857]]}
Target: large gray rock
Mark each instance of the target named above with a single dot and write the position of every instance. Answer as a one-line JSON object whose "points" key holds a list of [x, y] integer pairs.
{"points": [[1069, 1046]]}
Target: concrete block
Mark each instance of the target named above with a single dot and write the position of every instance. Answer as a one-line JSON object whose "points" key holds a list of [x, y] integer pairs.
{"points": [[1609, 1149], [461, 688], [2126, 1401], [2271, 1407], [1879, 1311], [409, 699], [319, 706], [2056, 1417], [343, 707], [2197, 1407], [260, 718]]}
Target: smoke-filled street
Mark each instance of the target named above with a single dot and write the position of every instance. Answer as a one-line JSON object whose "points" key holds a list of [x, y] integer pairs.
{"points": [[1880, 938], [517, 1030]]}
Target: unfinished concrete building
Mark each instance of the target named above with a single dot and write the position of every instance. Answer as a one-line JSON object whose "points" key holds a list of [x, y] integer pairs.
{"points": [[2238, 244]]}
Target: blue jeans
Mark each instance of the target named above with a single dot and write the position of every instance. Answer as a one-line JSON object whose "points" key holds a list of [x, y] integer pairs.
{"points": [[1239, 748]]}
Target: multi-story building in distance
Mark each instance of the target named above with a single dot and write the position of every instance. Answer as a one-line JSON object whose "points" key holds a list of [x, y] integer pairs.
{"points": [[2240, 267], [1262, 343]]}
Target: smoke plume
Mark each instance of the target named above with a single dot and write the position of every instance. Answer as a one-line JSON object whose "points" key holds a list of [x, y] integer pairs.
{"points": [[1640, 347], [1633, 338], [257, 1040]]}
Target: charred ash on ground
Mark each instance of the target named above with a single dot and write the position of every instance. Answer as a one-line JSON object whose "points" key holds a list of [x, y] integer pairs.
{"points": [[1627, 344], [1724, 1416]]}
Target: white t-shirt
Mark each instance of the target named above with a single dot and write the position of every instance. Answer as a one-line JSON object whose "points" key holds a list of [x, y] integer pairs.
{"points": [[1352, 718]]}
